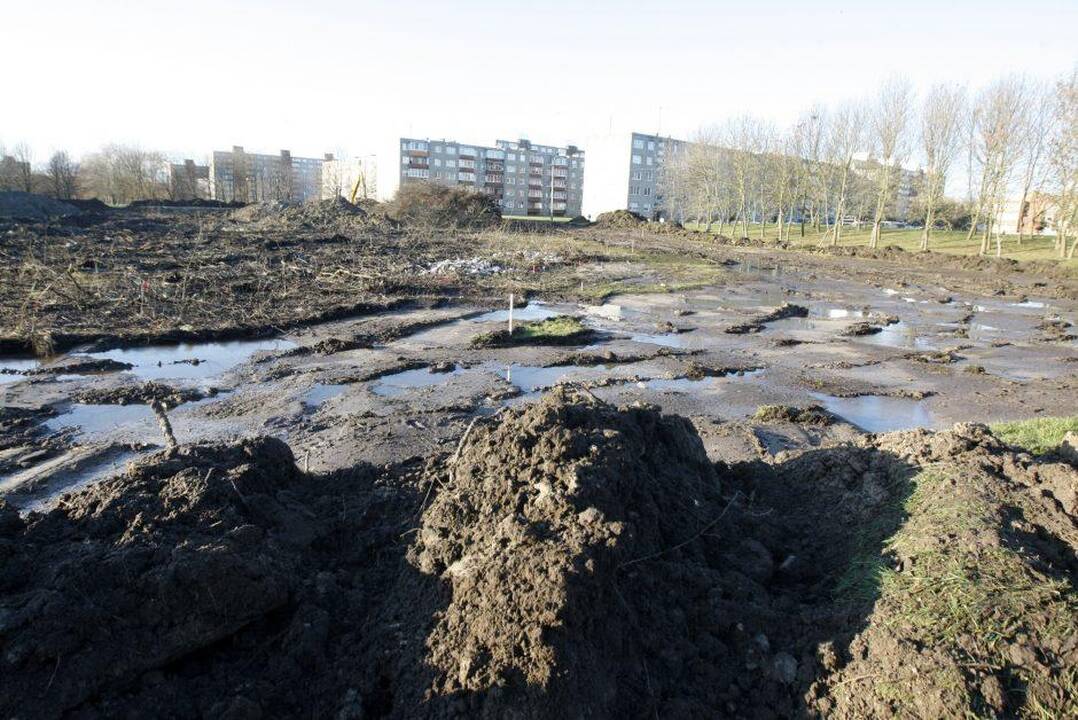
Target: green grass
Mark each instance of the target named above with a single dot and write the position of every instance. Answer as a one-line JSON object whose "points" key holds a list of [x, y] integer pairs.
{"points": [[945, 241], [1039, 435], [560, 330]]}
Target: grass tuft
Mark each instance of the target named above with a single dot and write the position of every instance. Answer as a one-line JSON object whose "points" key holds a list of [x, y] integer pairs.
{"points": [[1038, 435]]}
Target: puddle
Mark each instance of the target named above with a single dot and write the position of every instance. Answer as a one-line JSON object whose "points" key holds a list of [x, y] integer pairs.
{"points": [[876, 413], [396, 383], [749, 268], [671, 340], [534, 310], [92, 419], [689, 385], [13, 369], [156, 362], [321, 392], [899, 335], [533, 379], [1030, 304], [843, 314]]}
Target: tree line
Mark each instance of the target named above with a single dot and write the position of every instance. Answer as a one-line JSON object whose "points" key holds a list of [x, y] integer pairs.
{"points": [[850, 164], [116, 174]]}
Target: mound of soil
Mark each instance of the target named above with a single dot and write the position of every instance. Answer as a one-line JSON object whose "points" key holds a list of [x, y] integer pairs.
{"points": [[321, 214], [29, 206], [145, 393], [427, 205], [756, 324], [619, 219], [573, 560]]}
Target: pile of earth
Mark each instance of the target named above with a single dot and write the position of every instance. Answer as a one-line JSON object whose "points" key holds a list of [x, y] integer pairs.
{"points": [[569, 559], [428, 205], [619, 219], [324, 214], [30, 206]]}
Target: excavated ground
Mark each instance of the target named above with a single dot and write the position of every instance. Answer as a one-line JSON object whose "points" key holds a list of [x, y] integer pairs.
{"points": [[567, 559]]}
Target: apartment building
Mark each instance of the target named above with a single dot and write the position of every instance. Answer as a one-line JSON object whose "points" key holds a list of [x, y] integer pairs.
{"points": [[647, 156], [525, 178], [341, 176], [188, 181], [237, 175]]}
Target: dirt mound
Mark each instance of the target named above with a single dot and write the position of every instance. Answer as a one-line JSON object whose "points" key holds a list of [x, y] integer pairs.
{"points": [[562, 531], [28, 206], [619, 219], [427, 205], [573, 560], [322, 214]]}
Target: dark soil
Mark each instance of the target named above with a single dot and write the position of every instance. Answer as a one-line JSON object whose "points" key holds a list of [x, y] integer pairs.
{"points": [[786, 310], [570, 559]]}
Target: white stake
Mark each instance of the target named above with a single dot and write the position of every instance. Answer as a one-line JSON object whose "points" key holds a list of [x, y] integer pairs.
{"points": [[510, 313]]}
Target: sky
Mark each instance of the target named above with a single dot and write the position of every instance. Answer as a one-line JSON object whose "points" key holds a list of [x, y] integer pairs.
{"points": [[353, 77]]}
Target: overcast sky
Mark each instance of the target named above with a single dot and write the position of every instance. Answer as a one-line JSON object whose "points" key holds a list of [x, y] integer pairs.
{"points": [[325, 76]]}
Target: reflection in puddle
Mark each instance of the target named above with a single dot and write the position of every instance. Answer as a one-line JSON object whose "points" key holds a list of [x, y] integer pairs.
{"points": [[843, 313], [214, 358], [876, 413], [396, 383], [900, 335], [99, 418], [672, 340], [689, 385], [534, 310], [321, 392], [13, 369], [1029, 304]]}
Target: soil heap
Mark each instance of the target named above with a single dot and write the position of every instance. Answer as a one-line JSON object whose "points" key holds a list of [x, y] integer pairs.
{"points": [[619, 219], [29, 206]]}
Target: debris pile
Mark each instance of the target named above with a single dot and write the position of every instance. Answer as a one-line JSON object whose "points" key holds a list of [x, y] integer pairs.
{"points": [[428, 205], [619, 219]]}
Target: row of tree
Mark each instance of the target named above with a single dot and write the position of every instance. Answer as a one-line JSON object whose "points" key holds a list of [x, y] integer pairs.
{"points": [[847, 165], [117, 174]]}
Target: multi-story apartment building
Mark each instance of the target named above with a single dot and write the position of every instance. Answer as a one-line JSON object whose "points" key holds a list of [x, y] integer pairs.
{"points": [[647, 156], [188, 181], [525, 178], [343, 175], [251, 177]]}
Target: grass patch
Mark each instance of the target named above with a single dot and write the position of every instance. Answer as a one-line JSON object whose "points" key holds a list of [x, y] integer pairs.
{"points": [[1038, 435], [560, 330]]}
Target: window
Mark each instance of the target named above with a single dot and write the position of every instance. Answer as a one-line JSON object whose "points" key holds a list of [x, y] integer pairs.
{"points": [[636, 174], [651, 145], [511, 168], [649, 160], [450, 163], [450, 149], [647, 191], [637, 160], [638, 144], [439, 148], [437, 162]]}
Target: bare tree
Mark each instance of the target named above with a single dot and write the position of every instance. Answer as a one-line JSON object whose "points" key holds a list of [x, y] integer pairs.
{"points": [[1036, 131], [1062, 157], [24, 161], [941, 131], [63, 175], [120, 174], [889, 122], [845, 134], [998, 117]]}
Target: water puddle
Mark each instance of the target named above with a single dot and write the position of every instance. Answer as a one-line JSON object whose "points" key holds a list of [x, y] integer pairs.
{"points": [[670, 340], [14, 369], [1030, 304], [688, 385], [899, 335], [44, 499], [877, 413], [534, 310], [157, 362], [321, 392], [397, 383], [95, 419], [845, 314]]}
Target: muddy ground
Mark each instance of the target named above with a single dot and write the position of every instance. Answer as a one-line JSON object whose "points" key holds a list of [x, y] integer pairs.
{"points": [[337, 516]]}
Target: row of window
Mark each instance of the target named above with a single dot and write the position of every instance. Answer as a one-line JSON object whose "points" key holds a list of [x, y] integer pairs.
{"points": [[637, 159], [645, 175], [637, 190]]}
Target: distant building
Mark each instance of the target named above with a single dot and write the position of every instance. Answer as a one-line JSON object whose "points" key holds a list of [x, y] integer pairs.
{"points": [[525, 178], [250, 177], [1037, 216], [647, 156], [905, 193], [188, 181], [341, 176]]}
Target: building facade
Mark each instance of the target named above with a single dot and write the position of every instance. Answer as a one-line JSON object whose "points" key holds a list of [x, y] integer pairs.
{"points": [[1036, 216], [240, 176], [525, 178], [188, 181], [647, 156], [342, 176]]}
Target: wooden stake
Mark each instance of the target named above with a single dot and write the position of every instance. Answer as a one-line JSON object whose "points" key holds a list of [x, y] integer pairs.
{"points": [[510, 313]]}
